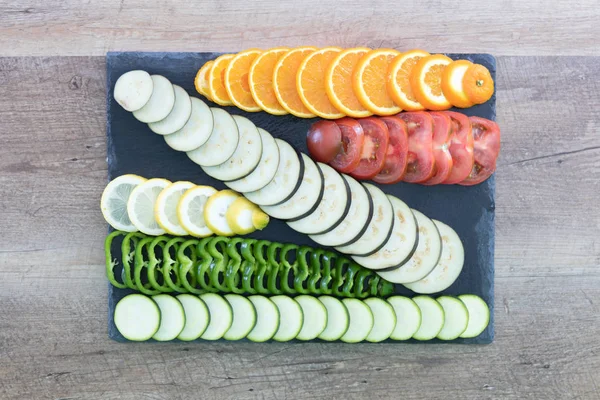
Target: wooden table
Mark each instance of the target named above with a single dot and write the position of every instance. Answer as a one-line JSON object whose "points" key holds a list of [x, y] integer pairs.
{"points": [[53, 333]]}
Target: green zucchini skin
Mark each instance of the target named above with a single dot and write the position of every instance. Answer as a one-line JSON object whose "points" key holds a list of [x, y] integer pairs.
{"points": [[164, 264]]}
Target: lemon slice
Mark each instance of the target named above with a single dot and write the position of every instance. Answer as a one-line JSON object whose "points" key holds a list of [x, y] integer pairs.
{"points": [[190, 210], [114, 201], [215, 212], [140, 206], [242, 215], [165, 209]]}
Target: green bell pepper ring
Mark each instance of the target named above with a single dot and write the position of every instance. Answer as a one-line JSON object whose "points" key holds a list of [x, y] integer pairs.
{"points": [[141, 264], [188, 266], [111, 262], [128, 256], [171, 265], [153, 270], [217, 249]]}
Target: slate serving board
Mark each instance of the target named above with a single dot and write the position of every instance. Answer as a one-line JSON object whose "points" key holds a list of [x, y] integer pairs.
{"points": [[133, 149]]}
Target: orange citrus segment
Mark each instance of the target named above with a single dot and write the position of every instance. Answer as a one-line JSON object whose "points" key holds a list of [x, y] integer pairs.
{"points": [[370, 81], [216, 81], [452, 83], [310, 83], [338, 82], [284, 81], [426, 82], [201, 80], [261, 80], [236, 80], [399, 80], [478, 84]]}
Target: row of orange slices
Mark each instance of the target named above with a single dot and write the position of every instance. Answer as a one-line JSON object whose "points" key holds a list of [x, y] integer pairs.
{"points": [[332, 83]]}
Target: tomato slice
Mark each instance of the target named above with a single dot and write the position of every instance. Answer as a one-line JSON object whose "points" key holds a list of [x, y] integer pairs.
{"points": [[324, 140], [374, 148], [397, 152], [443, 133], [420, 146], [353, 137], [486, 135], [461, 148]]}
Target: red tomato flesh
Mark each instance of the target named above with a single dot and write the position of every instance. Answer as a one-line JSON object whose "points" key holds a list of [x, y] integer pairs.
{"points": [[443, 133], [486, 135], [421, 162], [396, 157], [353, 137], [461, 148], [324, 140], [374, 149]]}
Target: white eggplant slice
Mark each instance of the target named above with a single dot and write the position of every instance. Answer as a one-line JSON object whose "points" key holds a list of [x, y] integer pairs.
{"points": [[306, 197], [215, 212], [355, 223], [196, 317], [222, 142], [266, 169], [402, 243], [448, 267], [408, 317], [137, 317], [379, 228], [432, 318], [338, 319], [267, 319], [246, 156], [244, 317], [361, 321], [133, 90], [425, 258], [291, 318], [384, 319], [196, 130], [479, 315], [315, 317], [179, 115], [286, 180], [172, 317], [161, 102], [332, 208], [456, 318], [221, 316]]}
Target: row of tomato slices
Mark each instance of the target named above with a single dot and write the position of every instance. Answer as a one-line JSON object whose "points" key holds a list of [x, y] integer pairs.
{"points": [[429, 148]]}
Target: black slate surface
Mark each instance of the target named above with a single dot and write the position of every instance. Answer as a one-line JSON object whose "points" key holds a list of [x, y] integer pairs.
{"points": [[133, 149]]}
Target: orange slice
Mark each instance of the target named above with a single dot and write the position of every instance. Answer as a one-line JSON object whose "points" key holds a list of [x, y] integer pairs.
{"points": [[426, 82], [478, 84], [216, 81], [338, 82], [399, 80], [261, 80], [201, 80], [284, 81], [452, 83], [370, 81], [310, 82], [236, 80]]}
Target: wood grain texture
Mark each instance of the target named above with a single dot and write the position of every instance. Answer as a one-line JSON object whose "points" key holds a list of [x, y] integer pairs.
{"points": [[53, 335], [508, 27]]}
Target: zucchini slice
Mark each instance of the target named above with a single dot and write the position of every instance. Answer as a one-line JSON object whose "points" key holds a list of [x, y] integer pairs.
{"points": [[315, 317], [161, 101], [286, 181], [425, 258], [137, 317], [133, 90], [338, 319], [408, 317], [196, 130], [172, 319], [196, 317], [355, 223], [179, 115], [215, 212], [402, 243], [384, 319], [246, 156], [447, 269], [306, 198], [222, 141], [361, 321], [332, 208], [291, 318], [266, 169], [479, 315], [267, 319], [456, 317], [221, 316], [432, 318], [379, 229], [244, 317]]}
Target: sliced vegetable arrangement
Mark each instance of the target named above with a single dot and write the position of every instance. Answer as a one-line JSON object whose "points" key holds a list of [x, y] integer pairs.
{"points": [[429, 148], [156, 206], [163, 264], [332, 83], [258, 318]]}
